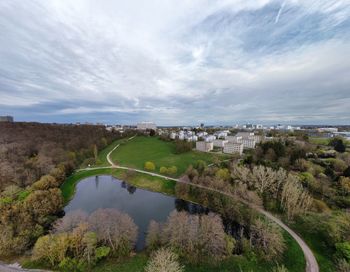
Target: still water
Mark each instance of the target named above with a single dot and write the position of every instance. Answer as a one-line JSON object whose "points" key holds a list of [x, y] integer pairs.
{"points": [[143, 206]]}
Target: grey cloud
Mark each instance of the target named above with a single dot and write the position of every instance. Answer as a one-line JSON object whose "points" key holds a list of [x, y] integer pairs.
{"points": [[228, 62]]}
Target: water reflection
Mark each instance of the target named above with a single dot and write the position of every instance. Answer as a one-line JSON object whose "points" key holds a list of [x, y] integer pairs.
{"points": [[143, 206]]}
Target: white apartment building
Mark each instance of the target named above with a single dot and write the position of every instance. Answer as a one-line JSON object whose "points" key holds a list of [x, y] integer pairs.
{"points": [[172, 135], [256, 138], [204, 146], [248, 143], [244, 134], [231, 148], [193, 138], [209, 138], [146, 125], [233, 139], [220, 143], [202, 134]]}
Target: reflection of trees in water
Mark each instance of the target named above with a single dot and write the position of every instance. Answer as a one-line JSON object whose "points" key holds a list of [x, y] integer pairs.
{"points": [[97, 181], [192, 208], [131, 189]]}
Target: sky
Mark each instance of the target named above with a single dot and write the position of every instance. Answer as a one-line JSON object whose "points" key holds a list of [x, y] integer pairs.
{"points": [[176, 62]]}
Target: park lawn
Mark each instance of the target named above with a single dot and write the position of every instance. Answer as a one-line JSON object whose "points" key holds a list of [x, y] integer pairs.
{"points": [[322, 253], [102, 155], [141, 149], [319, 140]]}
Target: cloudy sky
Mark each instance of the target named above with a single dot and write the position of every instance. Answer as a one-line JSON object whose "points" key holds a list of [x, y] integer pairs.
{"points": [[176, 61]]}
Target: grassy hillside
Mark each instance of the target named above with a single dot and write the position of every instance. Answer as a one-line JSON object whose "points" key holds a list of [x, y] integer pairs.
{"points": [[141, 149]]}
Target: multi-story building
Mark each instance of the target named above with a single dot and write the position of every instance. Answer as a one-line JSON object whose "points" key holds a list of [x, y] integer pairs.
{"points": [[248, 143], [220, 143], [244, 134], [231, 148], [146, 125], [204, 146], [233, 139], [256, 138], [209, 138], [6, 119]]}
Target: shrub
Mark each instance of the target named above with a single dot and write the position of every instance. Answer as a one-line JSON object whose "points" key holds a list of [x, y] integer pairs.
{"points": [[163, 170], [164, 260], [338, 144], [320, 206], [280, 268], [343, 266], [343, 251], [172, 170], [150, 166]]}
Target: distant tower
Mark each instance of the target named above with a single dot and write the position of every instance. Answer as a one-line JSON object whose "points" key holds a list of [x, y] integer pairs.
{"points": [[202, 125]]}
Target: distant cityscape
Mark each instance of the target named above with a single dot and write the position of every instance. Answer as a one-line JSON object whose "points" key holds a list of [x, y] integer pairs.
{"points": [[225, 139]]}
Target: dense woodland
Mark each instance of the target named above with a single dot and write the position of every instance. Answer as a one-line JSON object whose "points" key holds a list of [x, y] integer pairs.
{"points": [[31, 150], [35, 161]]}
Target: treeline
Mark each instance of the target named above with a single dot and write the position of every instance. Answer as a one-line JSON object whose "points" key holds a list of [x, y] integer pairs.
{"points": [[35, 161]]}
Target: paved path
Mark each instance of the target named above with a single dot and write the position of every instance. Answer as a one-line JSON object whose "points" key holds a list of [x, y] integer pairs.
{"points": [[16, 268], [311, 263]]}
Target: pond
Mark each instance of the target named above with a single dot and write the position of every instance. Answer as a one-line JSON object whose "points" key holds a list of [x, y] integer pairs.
{"points": [[143, 206]]}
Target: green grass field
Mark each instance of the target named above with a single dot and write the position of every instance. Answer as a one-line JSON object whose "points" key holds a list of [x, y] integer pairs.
{"points": [[141, 149], [319, 140]]}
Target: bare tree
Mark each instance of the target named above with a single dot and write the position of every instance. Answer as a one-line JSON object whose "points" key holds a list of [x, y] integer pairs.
{"points": [[114, 228], [196, 237], [267, 239], [295, 200], [70, 221], [164, 260], [153, 235], [242, 174], [263, 178]]}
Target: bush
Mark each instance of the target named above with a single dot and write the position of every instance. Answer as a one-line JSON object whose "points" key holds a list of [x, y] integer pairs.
{"points": [[72, 265], [343, 251], [164, 260], [343, 266], [150, 166], [320, 206], [172, 170], [163, 170], [280, 268], [338, 144]]}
